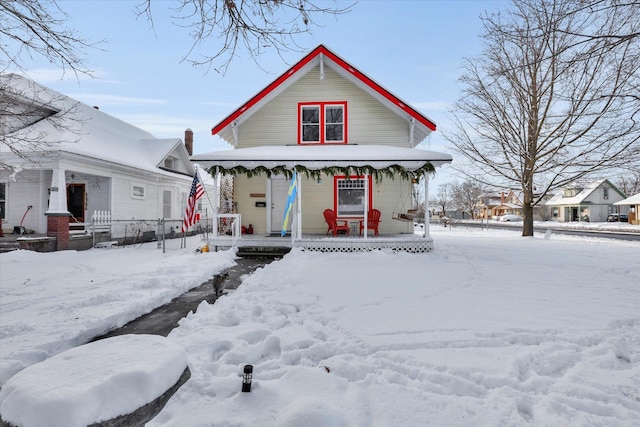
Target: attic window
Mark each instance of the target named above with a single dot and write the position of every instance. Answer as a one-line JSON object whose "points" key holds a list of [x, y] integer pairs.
{"points": [[570, 192], [605, 193], [322, 122], [168, 163]]}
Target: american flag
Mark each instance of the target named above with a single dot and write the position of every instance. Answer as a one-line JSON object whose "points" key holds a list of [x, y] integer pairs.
{"points": [[190, 214]]}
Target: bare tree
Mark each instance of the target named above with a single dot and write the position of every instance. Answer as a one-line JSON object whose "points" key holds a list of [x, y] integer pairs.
{"points": [[251, 25], [443, 198], [467, 195], [544, 105], [37, 29], [629, 182]]}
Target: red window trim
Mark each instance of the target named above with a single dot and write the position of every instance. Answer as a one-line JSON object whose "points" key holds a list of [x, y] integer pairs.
{"points": [[335, 194], [323, 105]]}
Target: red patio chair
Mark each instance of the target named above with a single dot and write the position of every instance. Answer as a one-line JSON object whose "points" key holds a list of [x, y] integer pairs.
{"points": [[373, 220], [330, 217]]}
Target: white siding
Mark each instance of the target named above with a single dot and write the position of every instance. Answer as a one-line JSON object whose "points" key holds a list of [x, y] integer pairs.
{"points": [[368, 121], [388, 196]]}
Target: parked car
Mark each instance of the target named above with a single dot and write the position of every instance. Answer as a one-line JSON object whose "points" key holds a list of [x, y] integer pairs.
{"points": [[614, 217], [510, 218]]}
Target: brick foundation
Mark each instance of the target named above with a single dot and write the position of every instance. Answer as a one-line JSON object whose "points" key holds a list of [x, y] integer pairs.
{"points": [[58, 227]]}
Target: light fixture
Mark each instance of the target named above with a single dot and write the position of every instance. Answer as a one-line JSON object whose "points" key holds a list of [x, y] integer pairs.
{"points": [[246, 378]]}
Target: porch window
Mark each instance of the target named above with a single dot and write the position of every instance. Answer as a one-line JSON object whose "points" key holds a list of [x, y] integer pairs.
{"points": [[3, 200], [322, 122], [350, 196]]}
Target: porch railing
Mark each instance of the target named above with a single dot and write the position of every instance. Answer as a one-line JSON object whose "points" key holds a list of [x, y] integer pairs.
{"points": [[227, 226]]}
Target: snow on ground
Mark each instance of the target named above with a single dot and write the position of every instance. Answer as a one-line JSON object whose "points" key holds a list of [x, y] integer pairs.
{"points": [[489, 329], [50, 302], [137, 369]]}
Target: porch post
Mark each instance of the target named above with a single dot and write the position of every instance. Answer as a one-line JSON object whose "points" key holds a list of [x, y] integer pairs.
{"points": [[298, 209], [58, 213], [366, 204], [426, 204], [216, 200]]}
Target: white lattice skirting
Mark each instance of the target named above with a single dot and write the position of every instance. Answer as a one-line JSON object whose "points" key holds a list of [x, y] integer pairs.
{"points": [[417, 245], [412, 246]]}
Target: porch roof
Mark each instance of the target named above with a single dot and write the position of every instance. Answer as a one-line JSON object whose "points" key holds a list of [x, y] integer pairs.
{"points": [[318, 157]]}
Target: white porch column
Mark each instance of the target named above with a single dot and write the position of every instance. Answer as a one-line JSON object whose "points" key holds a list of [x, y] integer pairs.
{"points": [[216, 200], [298, 208], [366, 204], [58, 196], [426, 204]]}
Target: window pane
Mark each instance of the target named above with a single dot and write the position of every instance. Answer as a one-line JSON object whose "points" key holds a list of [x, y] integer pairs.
{"points": [[333, 123], [351, 197], [333, 115], [333, 133], [310, 115], [311, 124], [311, 133]]}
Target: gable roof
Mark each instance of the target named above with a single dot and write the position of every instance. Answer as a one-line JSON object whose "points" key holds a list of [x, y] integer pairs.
{"points": [[80, 129], [323, 56], [587, 189]]}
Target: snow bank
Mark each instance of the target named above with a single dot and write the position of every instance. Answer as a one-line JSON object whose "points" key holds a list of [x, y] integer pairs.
{"points": [[94, 382], [50, 302]]}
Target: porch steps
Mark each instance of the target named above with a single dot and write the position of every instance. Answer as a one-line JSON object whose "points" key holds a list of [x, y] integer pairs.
{"points": [[262, 251], [8, 246]]}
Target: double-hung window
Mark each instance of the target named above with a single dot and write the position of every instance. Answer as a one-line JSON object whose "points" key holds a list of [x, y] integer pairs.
{"points": [[322, 122], [350, 196]]}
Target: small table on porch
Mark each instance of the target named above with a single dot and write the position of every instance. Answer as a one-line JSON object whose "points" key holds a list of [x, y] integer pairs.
{"points": [[354, 228]]}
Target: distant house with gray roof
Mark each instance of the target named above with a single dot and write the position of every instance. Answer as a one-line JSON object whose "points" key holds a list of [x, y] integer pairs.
{"points": [[586, 201]]}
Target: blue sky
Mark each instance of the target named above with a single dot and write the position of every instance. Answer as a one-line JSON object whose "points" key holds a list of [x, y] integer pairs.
{"points": [[413, 48]]}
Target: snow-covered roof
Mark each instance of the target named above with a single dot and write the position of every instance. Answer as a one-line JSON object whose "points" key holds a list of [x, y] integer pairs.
{"points": [[633, 200], [585, 190], [316, 157], [325, 58], [84, 130]]}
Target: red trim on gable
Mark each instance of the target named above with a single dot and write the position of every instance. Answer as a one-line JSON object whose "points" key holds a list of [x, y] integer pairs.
{"points": [[304, 61], [382, 91]]}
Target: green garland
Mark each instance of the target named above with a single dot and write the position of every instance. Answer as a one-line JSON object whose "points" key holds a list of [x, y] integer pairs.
{"points": [[390, 172]]}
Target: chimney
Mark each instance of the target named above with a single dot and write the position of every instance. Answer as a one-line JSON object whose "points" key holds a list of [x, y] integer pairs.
{"points": [[188, 141], [502, 197]]}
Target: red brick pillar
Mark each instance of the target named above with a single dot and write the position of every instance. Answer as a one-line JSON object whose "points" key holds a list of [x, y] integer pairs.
{"points": [[58, 227]]}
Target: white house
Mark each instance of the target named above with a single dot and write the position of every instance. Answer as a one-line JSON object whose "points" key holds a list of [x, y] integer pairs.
{"points": [[585, 201], [63, 160], [351, 141]]}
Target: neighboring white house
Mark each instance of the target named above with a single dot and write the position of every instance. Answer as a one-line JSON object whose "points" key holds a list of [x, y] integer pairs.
{"points": [[633, 204], [352, 142], [63, 158], [586, 201]]}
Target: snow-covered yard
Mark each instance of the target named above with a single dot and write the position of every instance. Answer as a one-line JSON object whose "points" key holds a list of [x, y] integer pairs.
{"points": [[489, 329]]}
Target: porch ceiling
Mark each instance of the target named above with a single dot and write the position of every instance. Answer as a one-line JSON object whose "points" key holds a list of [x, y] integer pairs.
{"points": [[318, 157]]}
